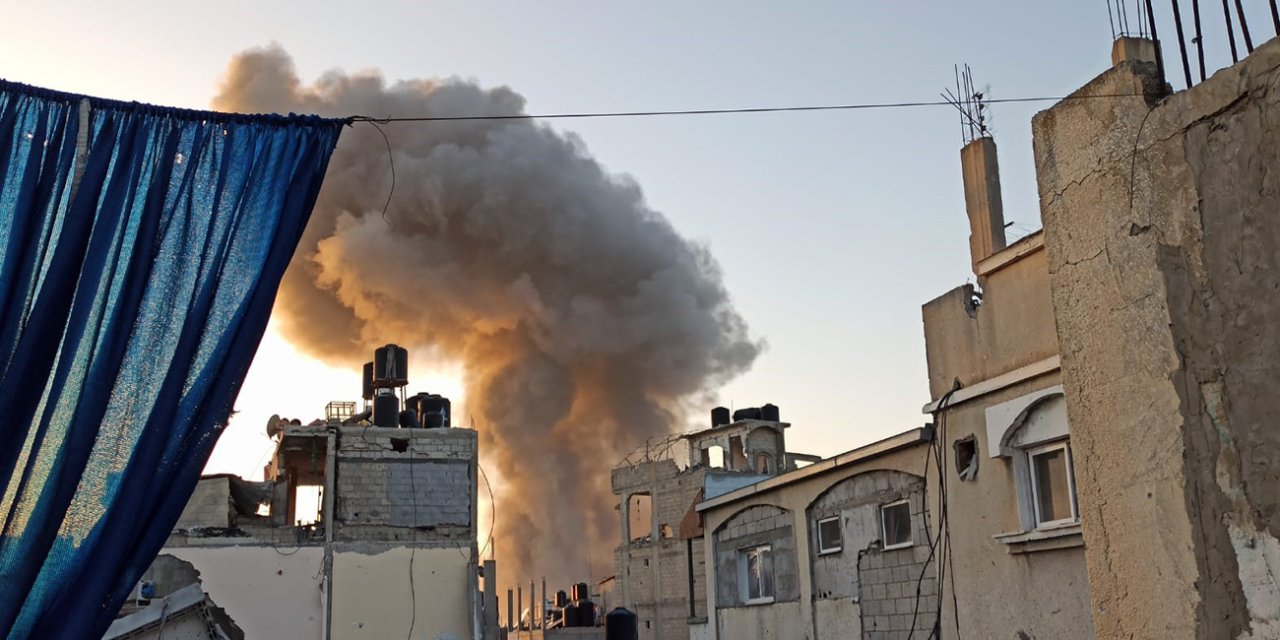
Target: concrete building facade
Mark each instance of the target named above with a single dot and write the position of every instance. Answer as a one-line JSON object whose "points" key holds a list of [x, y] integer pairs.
{"points": [[837, 549], [398, 553], [660, 563]]}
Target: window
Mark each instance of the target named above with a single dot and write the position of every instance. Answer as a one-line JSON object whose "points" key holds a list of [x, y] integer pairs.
{"points": [[1053, 485], [829, 540], [755, 570], [762, 463], [895, 524]]}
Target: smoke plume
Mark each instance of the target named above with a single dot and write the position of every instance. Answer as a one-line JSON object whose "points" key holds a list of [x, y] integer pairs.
{"points": [[583, 322]]}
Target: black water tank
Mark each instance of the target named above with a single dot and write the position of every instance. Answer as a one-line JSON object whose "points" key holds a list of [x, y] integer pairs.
{"points": [[409, 420], [367, 389], [572, 615], [562, 598], [769, 412], [749, 413], [386, 411], [719, 416], [621, 624], [390, 366], [586, 614], [580, 592], [435, 411]]}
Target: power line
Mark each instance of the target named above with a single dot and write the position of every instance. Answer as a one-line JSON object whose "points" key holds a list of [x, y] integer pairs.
{"points": [[702, 112]]}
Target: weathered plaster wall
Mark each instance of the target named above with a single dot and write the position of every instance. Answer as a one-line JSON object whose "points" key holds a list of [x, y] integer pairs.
{"points": [[1043, 593], [774, 622], [1162, 221], [1011, 328], [373, 596], [268, 592]]}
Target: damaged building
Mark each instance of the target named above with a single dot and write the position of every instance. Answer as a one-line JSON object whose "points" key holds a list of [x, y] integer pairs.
{"points": [[660, 562], [385, 543]]}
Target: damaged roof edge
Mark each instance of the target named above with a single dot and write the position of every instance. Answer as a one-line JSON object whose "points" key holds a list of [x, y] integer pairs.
{"points": [[861, 454]]}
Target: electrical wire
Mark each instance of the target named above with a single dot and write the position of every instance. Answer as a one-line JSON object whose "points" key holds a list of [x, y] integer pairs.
{"points": [[493, 511], [700, 112]]}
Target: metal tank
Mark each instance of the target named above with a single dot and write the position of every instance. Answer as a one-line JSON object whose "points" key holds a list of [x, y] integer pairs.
{"points": [[719, 416], [390, 366], [386, 410]]}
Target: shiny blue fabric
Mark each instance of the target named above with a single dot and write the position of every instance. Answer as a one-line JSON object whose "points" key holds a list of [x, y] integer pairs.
{"points": [[135, 285]]}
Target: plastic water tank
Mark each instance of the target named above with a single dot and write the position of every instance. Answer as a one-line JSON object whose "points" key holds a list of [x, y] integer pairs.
{"points": [[391, 366], [749, 413], [719, 416], [770, 412], [367, 389], [386, 411], [621, 624]]}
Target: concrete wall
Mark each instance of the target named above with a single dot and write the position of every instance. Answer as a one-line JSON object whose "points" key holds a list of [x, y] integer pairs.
{"points": [[1011, 328], [267, 592], [1022, 584], [653, 570], [773, 622], [1163, 222], [876, 586], [209, 506], [374, 598], [809, 615]]}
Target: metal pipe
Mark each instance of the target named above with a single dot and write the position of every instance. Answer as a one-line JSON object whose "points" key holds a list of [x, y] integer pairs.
{"points": [[1182, 42], [519, 607], [330, 473], [1275, 16], [510, 602], [1231, 32], [542, 606], [1244, 27], [1155, 37], [1195, 9]]}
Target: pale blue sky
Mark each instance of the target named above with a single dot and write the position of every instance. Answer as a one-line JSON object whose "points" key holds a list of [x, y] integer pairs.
{"points": [[832, 228]]}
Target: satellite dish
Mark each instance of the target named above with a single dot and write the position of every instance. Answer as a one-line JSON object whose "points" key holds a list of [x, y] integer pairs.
{"points": [[275, 426]]}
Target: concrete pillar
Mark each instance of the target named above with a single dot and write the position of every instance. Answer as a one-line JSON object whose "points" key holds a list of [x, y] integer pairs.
{"points": [[1161, 221], [981, 169], [1127, 49], [490, 600]]}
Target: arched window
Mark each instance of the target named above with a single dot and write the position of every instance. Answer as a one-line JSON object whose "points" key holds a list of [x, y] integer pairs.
{"points": [[1032, 433], [764, 463]]}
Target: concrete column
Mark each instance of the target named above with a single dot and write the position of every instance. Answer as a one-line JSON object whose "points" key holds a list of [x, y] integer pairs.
{"points": [[981, 169], [490, 600], [1126, 49], [1161, 221]]}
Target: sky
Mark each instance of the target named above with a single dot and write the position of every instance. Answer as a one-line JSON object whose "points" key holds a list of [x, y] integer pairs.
{"points": [[831, 228]]}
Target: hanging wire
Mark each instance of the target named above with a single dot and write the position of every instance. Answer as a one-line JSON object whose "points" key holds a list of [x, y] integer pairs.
{"points": [[699, 112]]}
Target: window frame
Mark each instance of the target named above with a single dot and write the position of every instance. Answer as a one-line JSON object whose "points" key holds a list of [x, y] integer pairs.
{"points": [[839, 542], [1041, 449], [763, 552], [884, 532]]}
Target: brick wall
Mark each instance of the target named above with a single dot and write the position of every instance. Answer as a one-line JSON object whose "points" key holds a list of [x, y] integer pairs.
{"points": [[401, 485]]}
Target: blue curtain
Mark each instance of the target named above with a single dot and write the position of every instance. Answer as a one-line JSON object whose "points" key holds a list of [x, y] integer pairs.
{"points": [[140, 252]]}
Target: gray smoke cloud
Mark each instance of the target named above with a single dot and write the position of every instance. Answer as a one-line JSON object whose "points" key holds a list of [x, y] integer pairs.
{"points": [[583, 321]]}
